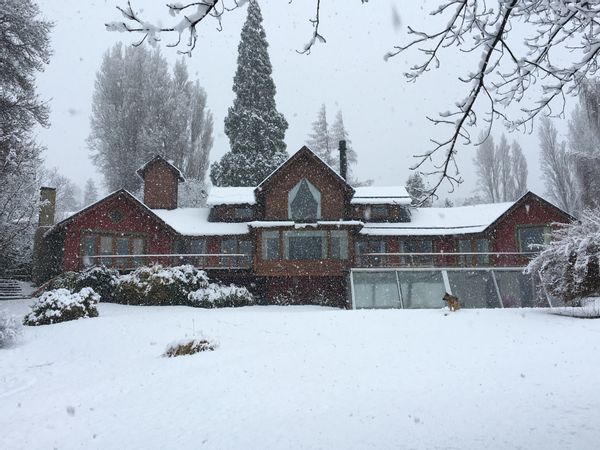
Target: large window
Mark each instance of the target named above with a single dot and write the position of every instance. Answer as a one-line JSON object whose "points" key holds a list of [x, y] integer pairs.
{"points": [[532, 239], [473, 246], [305, 245], [419, 246], [304, 202], [365, 248], [376, 290], [96, 244], [475, 289], [242, 247]]}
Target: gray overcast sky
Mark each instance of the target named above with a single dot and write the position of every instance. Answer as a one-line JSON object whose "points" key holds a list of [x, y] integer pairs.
{"points": [[384, 114]]}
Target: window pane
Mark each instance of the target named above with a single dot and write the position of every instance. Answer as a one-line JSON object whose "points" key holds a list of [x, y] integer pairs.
{"points": [[419, 246], [422, 289], [376, 290], [516, 289], [379, 212], [339, 244], [106, 249], [483, 246], [370, 246], [89, 249], [464, 246], [270, 245], [304, 201], [531, 238], [246, 247], [122, 249], [243, 213], [474, 289], [137, 247], [228, 246], [305, 245]]}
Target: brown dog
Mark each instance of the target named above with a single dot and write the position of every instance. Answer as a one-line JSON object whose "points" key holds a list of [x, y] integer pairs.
{"points": [[451, 301]]}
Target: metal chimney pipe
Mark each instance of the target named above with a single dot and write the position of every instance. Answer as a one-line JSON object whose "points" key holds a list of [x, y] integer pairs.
{"points": [[343, 160]]}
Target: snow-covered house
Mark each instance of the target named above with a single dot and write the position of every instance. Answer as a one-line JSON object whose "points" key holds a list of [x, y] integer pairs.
{"points": [[306, 234]]}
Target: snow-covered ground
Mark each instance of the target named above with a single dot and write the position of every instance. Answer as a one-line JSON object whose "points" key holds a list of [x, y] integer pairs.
{"points": [[303, 377]]}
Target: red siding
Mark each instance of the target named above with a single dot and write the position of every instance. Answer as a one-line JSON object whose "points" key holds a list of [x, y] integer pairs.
{"points": [[531, 211], [134, 221]]}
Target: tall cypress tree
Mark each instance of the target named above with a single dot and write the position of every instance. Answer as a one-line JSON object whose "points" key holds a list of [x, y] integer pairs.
{"points": [[254, 126]]}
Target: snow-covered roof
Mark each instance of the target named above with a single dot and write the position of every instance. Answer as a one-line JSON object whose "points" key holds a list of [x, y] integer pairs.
{"points": [[231, 196], [291, 223], [441, 221], [142, 170], [194, 222], [381, 195]]}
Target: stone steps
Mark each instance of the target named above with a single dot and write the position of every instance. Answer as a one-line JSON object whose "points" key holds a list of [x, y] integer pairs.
{"points": [[10, 289]]}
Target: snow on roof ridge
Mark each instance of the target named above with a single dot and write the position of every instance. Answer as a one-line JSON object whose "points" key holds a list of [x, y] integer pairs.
{"points": [[231, 195]]}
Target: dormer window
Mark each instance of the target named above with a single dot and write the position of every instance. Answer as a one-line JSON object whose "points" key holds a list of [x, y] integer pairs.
{"points": [[304, 202]]}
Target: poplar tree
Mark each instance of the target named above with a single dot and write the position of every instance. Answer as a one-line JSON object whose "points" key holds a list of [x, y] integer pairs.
{"points": [[255, 128]]}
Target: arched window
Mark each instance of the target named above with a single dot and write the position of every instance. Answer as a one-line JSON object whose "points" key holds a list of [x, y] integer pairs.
{"points": [[304, 201]]}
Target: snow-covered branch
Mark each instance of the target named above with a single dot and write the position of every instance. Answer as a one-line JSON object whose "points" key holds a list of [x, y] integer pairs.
{"points": [[559, 50], [192, 14]]}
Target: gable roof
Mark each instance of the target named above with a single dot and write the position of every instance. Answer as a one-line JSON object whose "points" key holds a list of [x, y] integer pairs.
{"points": [[381, 195], [305, 151], [442, 221], [231, 196], [159, 159], [121, 192], [454, 220]]}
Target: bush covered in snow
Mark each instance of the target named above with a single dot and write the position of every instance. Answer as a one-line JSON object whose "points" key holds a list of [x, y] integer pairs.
{"points": [[589, 309], [60, 305], [219, 296], [189, 347], [10, 329], [100, 278], [568, 267], [158, 285]]}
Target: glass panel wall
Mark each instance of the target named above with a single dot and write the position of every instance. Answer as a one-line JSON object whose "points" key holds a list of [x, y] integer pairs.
{"points": [[421, 289], [475, 289], [424, 288], [376, 290], [516, 289]]}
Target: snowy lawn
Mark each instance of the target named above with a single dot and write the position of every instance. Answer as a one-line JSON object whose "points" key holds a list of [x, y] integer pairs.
{"points": [[303, 377]]}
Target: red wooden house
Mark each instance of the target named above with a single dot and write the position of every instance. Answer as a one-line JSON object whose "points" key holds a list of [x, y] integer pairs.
{"points": [[305, 234]]}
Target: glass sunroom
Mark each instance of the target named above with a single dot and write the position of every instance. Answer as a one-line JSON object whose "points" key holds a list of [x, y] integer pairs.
{"points": [[415, 288]]}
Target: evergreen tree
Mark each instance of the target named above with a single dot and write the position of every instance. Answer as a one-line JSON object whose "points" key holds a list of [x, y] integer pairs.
{"points": [[320, 141], [417, 189], [90, 193], [255, 128], [25, 50]]}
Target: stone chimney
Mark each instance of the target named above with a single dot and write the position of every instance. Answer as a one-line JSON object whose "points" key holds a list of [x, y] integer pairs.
{"points": [[45, 257], [47, 206], [161, 183], [343, 160]]}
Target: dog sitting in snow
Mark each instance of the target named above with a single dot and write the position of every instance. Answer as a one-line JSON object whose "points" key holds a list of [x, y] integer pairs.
{"points": [[451, 301]]}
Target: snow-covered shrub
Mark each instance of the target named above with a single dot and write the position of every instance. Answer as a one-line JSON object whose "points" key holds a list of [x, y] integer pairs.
{"points": [[219, 296], [158, 285], [100, 278], [568, 266], [61, 305], [189, 347], [589, 309], [10, 329]]}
